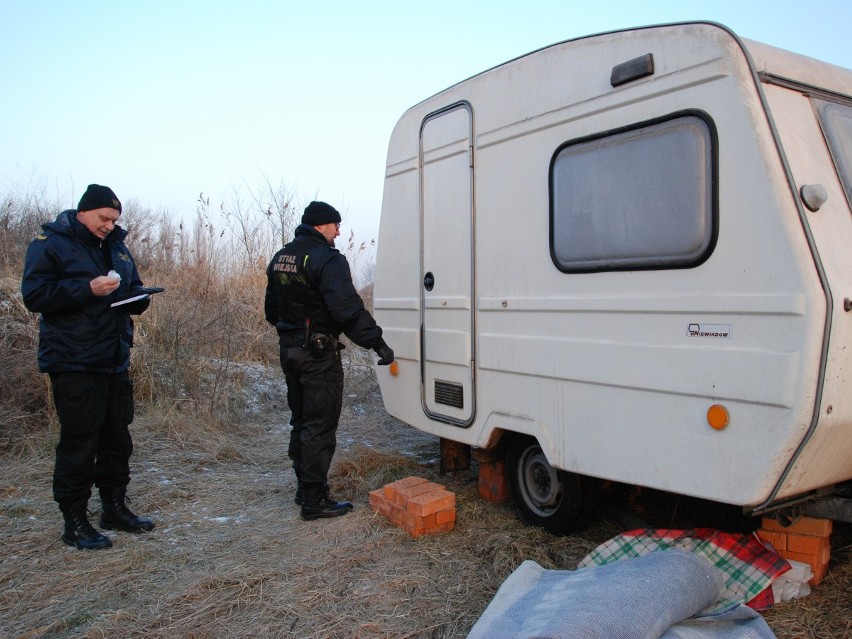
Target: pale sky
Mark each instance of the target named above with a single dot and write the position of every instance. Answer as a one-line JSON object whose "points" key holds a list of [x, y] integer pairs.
{"points": [[163, 100]]}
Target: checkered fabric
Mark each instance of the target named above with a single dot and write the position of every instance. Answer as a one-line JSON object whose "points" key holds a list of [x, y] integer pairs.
{"points": [[747, 565]]}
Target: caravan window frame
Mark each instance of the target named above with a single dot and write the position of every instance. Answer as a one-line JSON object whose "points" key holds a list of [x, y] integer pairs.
{"points": [[608, 241], [838, 139]]}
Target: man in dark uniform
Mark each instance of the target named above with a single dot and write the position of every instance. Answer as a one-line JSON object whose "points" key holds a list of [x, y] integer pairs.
{"points": [[74, 270], [310, 299]]}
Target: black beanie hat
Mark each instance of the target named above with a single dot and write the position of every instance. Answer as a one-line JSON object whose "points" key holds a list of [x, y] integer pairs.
{"points": [[317, 213], [98, 197]]}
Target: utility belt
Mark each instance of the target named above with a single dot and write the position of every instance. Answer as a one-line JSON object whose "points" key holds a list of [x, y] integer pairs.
{"points": [[316, 342]]}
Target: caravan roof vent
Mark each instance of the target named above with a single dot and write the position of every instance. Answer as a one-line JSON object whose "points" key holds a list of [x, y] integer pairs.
{"points": [[632, 70]]}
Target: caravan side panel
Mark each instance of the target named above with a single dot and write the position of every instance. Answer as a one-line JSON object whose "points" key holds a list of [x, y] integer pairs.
{"points": [[614, 366]]}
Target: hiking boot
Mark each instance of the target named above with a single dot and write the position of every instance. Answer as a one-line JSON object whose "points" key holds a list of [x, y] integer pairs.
{"points": [[78, 531], [115, 515], [318, 504]]}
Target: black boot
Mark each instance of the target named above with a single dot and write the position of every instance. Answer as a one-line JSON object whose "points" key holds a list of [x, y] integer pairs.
{"points": [[115, 515], [78, 531], [318, 504]]}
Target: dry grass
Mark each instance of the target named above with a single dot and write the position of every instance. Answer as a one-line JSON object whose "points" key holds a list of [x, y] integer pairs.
{"points": [[231, 558]]}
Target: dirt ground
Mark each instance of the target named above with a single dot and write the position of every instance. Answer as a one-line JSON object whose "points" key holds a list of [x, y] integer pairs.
{"points": [[231, 558]]}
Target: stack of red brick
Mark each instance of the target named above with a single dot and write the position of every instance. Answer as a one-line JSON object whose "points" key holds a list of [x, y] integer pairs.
{"points": [[417, 505], [492, 475], [806, 540]]}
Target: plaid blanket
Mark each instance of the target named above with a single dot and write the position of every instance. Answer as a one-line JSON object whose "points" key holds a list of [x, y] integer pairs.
{"points": [[748, 567]]}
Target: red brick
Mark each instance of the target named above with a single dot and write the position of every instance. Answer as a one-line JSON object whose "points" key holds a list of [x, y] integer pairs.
{"points": [[405, 495], [418, 532], [377, 500], [492, 482], [391, 489], [445, 516], [395, 513], [487, 455], [431, 502], [819, 575], [776, 539], [803, 526], [804, 558], [389, 510], [492, 468], [808, 544], [495, 492], [428, 502], [411, 521]]}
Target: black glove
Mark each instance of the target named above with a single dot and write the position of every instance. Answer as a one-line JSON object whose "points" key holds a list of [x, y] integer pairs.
{"points": [[384, 352]]}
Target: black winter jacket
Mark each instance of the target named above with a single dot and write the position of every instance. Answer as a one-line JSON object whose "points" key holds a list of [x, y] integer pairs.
{"points": [[327, 273], [79, 331]]}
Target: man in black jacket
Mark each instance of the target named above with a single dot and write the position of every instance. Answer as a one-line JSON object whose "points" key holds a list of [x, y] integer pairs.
{"points": [[74, 270], [310, 299]]}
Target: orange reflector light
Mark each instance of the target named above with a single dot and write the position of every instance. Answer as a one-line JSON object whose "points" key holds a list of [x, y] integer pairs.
{"points": [[718, 417], [394, 368]]}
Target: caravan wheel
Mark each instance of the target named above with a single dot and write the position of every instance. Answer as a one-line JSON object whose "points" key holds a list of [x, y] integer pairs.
{"points": [[552, 499]]}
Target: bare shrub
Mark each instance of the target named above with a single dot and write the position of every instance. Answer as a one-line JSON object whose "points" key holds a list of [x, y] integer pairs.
{"points": [[24, 399], [192, 342], [22, 213], [259, 222], [142, 239]]}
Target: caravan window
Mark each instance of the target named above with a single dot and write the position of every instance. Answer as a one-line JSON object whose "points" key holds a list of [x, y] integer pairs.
{"points": [[633, 199], [836, 121]]}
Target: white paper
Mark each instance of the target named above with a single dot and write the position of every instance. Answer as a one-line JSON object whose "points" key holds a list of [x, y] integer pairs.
{"points": [[130, 299]]}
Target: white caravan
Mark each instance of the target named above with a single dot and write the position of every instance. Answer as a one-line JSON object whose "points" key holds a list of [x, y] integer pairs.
{"points": [[629, 257]]}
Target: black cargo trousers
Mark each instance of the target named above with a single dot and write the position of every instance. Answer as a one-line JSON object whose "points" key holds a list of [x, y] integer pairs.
{"points": [[94, 410], [315, 396]]}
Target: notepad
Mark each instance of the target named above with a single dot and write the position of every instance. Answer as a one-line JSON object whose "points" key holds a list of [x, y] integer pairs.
{"points": [[139, 294], [135, 298]]}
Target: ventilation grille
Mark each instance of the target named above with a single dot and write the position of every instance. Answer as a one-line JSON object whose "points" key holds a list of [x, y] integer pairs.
{"points": [[449, 394]]}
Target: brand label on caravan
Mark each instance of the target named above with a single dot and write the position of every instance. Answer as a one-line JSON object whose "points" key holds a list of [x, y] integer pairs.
{"points": [[708, 330]]}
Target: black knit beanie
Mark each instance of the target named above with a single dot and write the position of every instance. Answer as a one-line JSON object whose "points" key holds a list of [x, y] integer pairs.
{"points": [[98, 197], [317, 213]]}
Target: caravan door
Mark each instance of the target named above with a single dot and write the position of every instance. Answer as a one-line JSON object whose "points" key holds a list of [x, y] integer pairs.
{"points": [[446, 267]]}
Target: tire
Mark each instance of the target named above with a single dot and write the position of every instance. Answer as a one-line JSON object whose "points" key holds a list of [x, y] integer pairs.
{"points": [[544, 496]]}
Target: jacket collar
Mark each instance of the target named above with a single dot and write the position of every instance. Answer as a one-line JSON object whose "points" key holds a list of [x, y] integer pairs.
{"points": [[66, 224], [310, 231]]}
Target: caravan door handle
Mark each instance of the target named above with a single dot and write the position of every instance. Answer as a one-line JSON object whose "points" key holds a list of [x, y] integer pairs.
{"points": [[429, 281]]}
